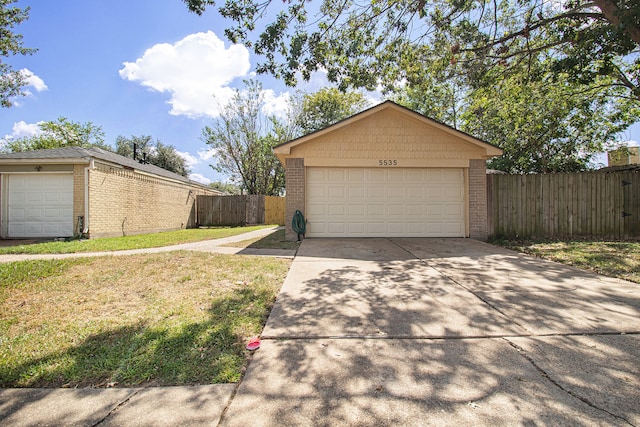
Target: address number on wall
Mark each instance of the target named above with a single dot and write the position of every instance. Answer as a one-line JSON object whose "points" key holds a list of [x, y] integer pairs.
{"points": [[387, 162]]}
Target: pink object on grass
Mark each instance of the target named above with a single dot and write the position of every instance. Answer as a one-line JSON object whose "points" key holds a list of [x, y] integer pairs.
{"points": [[254, 343]]}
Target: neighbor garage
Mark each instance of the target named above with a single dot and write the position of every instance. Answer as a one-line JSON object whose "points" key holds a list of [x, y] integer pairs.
{"points": [[39, 205], [76, 191], [388, 172]]}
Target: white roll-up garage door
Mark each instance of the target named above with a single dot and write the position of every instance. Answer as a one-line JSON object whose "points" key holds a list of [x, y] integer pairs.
{"points": [[40, 205], [385, 202]]}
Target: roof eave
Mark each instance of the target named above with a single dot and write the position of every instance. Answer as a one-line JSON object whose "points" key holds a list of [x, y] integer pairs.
{"points": [[72, 160]]}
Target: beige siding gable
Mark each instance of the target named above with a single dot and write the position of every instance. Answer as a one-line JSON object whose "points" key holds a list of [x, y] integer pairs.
{"points": [[387, 135]]}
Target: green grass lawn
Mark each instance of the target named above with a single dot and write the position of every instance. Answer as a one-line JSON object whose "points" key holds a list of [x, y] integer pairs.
{"points": [[173, 318], [139, 241], [614, 259]]}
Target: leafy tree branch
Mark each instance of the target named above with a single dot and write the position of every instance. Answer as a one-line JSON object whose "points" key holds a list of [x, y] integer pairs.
{"points": [[11, 81]]}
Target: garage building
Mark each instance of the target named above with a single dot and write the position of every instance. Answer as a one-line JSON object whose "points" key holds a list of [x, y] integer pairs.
{"points": [[388, 172], [72, 191]]}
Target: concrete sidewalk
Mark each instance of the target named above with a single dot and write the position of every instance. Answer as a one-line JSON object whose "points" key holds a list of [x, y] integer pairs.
{"points": [[212, 246], [155, 406], [413, 332]]}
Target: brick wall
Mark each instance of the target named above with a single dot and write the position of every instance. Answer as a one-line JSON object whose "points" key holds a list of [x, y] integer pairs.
{"points": [[295, 193], [477, 200], [124, 202]]}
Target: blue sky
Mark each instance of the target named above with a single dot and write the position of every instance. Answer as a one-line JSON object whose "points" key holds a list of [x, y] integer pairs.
{"points": [[141, 67]]}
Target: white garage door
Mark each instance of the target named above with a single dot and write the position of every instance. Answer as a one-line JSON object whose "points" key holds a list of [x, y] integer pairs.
{"points": [[40, 205], [393, 202]]}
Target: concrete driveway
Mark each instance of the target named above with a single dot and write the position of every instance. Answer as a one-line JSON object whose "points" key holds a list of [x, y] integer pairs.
{"points": [[442, 332]]}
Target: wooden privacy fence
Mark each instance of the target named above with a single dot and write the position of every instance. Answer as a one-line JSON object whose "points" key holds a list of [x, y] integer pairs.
{"points": [[594, 204], [239, 210], [274, 210]]}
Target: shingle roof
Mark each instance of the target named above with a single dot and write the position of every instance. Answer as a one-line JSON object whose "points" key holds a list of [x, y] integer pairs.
{"points": [[80, 153], [53, 153]]}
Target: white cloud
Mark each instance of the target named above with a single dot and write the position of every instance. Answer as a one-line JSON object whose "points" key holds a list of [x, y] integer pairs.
{"points": [[33, 81], [193, 70], [317, 81], [206, 155], [275, 105], [189, 159], [631, 143], [23, 129], [200, 178]]}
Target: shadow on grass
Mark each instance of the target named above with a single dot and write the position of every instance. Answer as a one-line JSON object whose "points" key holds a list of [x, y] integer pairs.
{"points": [[211, 351], [275, 240], [614, 259]]}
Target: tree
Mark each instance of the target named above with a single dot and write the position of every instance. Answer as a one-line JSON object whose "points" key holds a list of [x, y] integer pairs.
{"points": [[143, 144], [543, 125], [225, 187], [441, 95], [361, 44], [544, 121], [153, 152], [168, 158], [326, 107], [11, 81], [59, 134], [550, 82], [243, 140]]}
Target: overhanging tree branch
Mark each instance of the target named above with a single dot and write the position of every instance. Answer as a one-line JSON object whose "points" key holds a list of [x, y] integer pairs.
{"points": [[528, 29], [618, 17]]}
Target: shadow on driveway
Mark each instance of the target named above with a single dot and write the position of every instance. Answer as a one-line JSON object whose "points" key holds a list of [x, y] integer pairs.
{"points": [[443, 331]]}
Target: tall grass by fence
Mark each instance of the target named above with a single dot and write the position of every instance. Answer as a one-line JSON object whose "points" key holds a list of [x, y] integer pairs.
{"points": [[239, 210], [590, 204]]}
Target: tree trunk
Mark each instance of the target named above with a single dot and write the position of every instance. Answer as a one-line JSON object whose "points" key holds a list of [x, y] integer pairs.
{"points": [[613, 13]]}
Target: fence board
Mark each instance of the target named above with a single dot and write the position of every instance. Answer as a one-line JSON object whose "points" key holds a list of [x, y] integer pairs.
{"points": [[490, 207], [630, 183], [572, 209], [564, 205], [617, 205], [239, 210], [233, 210], [522, 187], [561, 201], [631, 189], [597, 201], [539, 209], [274, 210], [254, 209]]}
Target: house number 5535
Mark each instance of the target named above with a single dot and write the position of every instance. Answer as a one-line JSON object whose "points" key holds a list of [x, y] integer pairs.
{"points": [[387, 163]]}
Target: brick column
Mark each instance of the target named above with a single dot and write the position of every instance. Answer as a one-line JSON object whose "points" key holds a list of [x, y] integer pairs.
{"points": [[294, 184], [78, 197], [478, 200]]}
